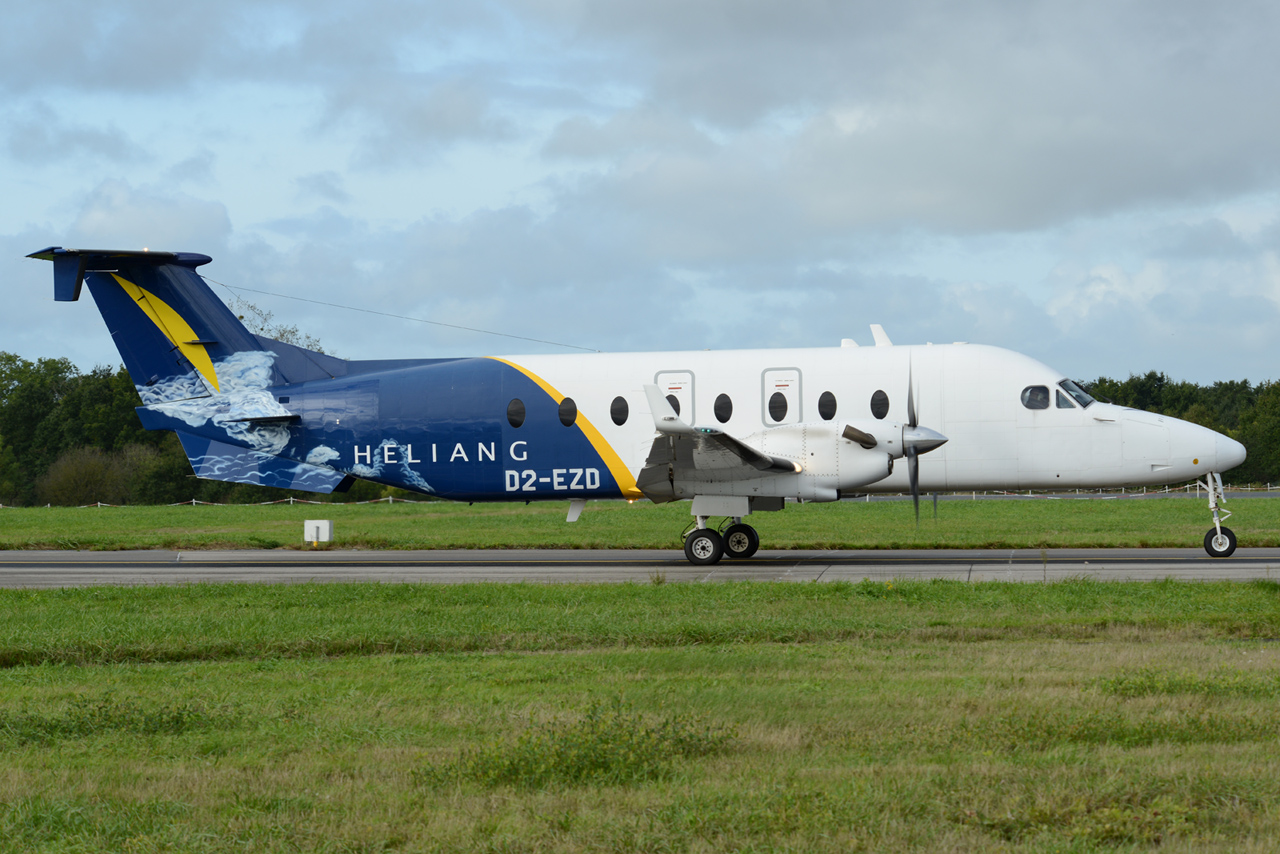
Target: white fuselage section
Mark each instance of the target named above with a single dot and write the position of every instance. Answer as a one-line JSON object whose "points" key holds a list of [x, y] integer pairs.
{"points": [[972, 394]]}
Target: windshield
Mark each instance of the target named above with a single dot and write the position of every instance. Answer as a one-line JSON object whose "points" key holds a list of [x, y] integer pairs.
{"points": [[1081, 396]]}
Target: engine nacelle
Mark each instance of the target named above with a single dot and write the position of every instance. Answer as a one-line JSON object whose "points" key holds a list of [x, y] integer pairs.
{"points": [[830, 461]]}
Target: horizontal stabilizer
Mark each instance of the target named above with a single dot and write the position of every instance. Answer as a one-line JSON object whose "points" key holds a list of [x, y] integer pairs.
{"points": [[70, 265], [213, 460]]}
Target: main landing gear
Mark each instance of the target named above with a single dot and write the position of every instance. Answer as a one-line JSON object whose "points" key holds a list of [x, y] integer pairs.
{"points": [[704, 546], [1220, 541]]}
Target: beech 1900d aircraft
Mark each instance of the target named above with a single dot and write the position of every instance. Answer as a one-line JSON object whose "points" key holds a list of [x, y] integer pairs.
{"points": [[737, 432]]}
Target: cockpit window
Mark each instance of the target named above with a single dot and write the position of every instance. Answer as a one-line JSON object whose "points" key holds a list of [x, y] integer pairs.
{"points": [[1082, 397], [1035, 397], [1062, 401]]}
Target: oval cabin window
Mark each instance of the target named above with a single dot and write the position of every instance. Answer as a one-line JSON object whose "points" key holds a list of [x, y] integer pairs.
{"points": [[568, 412], [618, 410], [827, 406], [778, 406], [675, 403], [879, 404], [723, 409], [515, 412]]}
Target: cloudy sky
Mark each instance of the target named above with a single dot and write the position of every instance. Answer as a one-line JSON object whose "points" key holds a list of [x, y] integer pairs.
{"points": [[1096, 184]]}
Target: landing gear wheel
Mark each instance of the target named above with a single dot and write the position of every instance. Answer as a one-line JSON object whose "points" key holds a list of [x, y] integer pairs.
{"points": [[740, 541], [1220, 545], [703, 547]]}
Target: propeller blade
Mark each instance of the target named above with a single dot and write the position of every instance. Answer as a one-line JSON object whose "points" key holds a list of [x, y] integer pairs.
{"points": [[911, 397], [913, 475]]}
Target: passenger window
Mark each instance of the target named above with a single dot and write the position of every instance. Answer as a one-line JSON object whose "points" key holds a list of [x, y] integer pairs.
{"points": [[879, 405], [515, 412], [568, 412], [723, 409], [1035, 397], [778, 406], [619, 410], [1063, 402], [675, 403], [827, 406]]}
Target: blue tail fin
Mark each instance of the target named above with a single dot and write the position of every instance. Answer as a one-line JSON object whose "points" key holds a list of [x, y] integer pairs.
{"points": [[198, 370], [172, 332]]}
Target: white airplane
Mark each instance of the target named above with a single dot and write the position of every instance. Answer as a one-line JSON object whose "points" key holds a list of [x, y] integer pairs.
{"points": [[734, 431]]}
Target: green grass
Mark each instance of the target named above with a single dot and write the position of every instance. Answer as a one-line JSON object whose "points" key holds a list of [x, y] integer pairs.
{"points": [[905, 716], [609, 745], [1043, 523], [207, 622]]}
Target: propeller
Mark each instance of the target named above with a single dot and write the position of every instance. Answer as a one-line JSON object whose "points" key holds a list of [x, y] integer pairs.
{"points": [[916, 440]]}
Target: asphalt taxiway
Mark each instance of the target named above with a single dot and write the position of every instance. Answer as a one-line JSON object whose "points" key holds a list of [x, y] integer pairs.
{"points": [[45, 569]]}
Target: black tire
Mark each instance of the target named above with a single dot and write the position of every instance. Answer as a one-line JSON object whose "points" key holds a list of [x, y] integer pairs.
{"points": [[703, 547], [1220, 547], [740, 541]]}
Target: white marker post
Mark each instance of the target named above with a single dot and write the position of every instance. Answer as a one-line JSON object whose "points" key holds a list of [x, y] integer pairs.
{"points": [[317, 531]]}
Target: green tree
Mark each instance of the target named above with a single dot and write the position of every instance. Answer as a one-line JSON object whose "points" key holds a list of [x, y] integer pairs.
{"points": [[82, 476], [12, 484], [29, 393], [161, 474], [1260, 434], [259, 322]]}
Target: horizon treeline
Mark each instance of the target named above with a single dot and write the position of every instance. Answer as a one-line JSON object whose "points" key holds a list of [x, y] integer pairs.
{"points": [[71, 438]]}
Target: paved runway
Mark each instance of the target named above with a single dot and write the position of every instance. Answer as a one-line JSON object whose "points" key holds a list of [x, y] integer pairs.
{"points": [[30, 569]]}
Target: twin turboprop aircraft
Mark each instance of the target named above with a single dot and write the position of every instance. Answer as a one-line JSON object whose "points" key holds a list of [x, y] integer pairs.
{"points": [[736, 432]]}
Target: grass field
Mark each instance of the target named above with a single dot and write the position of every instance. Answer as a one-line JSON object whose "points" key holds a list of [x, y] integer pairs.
{"points": [[1043, 523], [900, 716]]}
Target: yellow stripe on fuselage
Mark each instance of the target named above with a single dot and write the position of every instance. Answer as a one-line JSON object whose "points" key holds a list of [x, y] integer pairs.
{"points": [[621, 475], [174, 328]]}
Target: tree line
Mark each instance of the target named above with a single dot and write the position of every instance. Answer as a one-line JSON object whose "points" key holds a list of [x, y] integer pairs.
{"points": [[73, 438]]}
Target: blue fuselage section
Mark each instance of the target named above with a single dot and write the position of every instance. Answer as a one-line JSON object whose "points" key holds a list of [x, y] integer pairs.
{"points": [[441, 427]]}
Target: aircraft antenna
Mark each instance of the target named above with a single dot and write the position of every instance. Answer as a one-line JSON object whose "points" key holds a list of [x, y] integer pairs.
{"points": [[403, 317]]}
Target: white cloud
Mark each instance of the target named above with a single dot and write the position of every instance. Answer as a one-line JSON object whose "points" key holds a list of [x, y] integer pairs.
{"points": [[1096, 185], [118, 216], [38, 136], [326, 186]]}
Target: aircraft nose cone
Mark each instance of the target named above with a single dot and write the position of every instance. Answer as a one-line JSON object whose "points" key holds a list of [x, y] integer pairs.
{"points": [[1230, 453], [922, 439]]}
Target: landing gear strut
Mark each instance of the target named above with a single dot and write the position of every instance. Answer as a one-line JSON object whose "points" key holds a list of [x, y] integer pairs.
{"points": [[1220, 541], [733, 537]]}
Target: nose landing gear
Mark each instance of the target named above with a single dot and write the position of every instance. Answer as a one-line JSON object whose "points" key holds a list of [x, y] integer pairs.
{"points": [[1220, 541]]}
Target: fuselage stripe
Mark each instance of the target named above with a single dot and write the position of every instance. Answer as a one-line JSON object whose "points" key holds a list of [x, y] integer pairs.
{"points": [[621, 474]]}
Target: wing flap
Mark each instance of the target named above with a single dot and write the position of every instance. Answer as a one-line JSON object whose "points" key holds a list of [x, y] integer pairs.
{"points": [[684, 452]]}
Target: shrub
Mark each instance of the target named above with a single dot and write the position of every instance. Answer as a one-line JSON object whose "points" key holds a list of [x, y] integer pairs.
{"points": [[83, 476]]}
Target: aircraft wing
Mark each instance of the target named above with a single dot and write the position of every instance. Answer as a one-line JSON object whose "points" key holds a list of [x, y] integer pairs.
{"points": [[683, 452]]}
